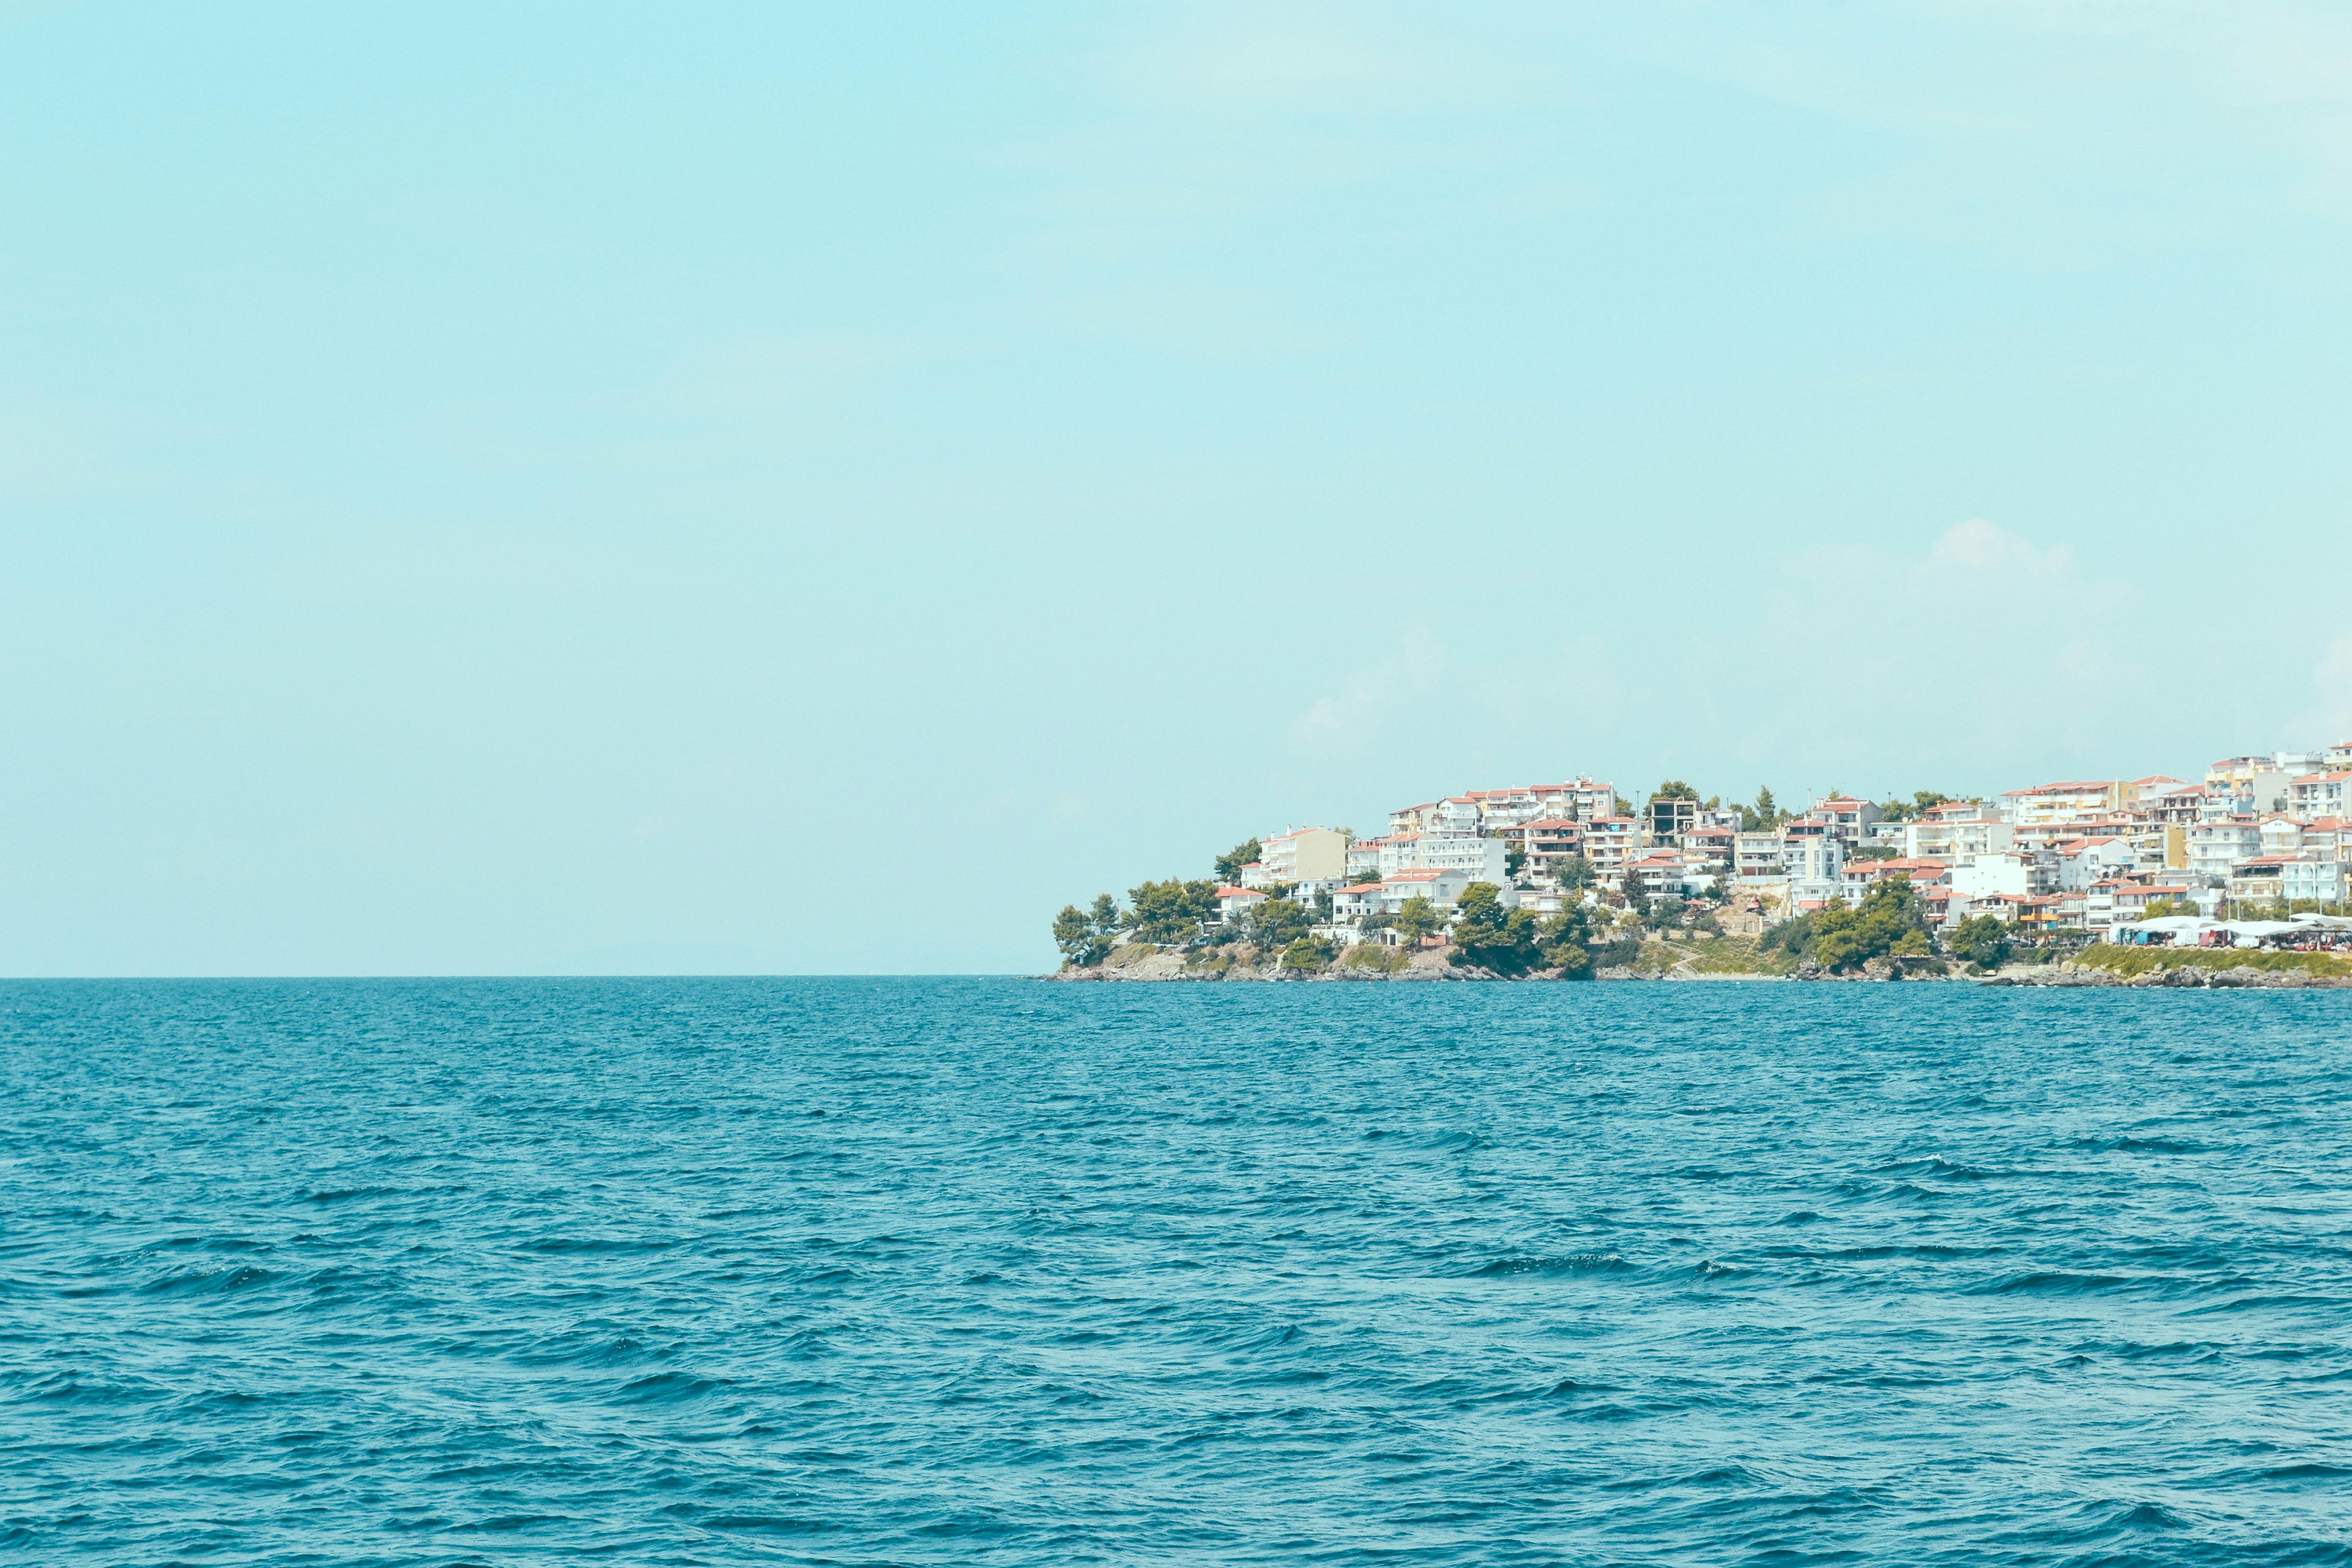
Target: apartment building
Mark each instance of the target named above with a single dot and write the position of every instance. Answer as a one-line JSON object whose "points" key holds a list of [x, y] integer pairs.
{"points": [[1414, 818], [1545, 843], [1612, 842], [1854, 882], [2143, 795], [2215, 848], [1477, 858], [1849, 818], [1302, 855], [1977, 876], [1708, 850], [2259, 881], [2309, 876], [1658, 875], [1759, 858], [2065, 802], [2321, 794], [1234, 902], [1667, 820], [1971, 830], [2079, 862]]}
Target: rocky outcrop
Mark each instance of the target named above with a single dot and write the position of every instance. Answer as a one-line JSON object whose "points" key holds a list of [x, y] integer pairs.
{"points": [[1436, 963], [2176, 977]]}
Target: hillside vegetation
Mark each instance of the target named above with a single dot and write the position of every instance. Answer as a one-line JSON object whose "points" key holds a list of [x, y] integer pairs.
{"points": [[2128, 962]]}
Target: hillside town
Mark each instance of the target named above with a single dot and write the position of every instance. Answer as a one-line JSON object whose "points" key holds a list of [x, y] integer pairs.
{"points": [[2258, 850]]}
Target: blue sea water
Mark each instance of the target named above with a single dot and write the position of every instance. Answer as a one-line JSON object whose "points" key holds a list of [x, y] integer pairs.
{"points": [[987, 1271]]}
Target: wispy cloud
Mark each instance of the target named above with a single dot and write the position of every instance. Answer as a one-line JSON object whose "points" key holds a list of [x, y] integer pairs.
{"points": [[1347, 721], [1978, 545]]}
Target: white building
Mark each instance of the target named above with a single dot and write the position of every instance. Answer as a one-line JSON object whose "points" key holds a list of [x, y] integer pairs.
{"points": [[1443, 889], [2314, 878], [2083, 861], [1849, 818], [1457, 813], [2250, 786], [2063, 802], [1934, 837], [1759, 858], [1480, 859], [1979, 877], [2321, 794], [1816, 863], [2217, 848], [1232, 903]]}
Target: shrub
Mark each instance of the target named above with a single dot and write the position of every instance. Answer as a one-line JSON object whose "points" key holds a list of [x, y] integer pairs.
{"points": [[1981, 939], [1307, 952]]}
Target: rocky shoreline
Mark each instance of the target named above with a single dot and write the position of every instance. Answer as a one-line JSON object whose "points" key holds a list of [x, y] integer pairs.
{"points": [[2181, 977], [1439, 965]]}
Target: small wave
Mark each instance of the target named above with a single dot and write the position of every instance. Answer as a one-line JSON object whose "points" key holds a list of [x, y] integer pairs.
{"points": [[2129, 1145], [2307, 1470], [211, 1281], [671, 1389], [2051, 1282], [2105, 1520], [81, 1387], [1864, 1191], [1937, 1166], [1575, 1263], [329, 1195], [563, 1245]]}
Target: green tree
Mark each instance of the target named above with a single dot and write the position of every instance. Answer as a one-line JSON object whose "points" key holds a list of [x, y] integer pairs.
{"points": [[1896, 809], [1623, 807], [1890, 920], [1567, 938], [1673, 789], [1277, 923], [1504, 940], [1417, 917], [1572, 872], [1230, 864], [1761, 818], [1980, 940], [1514, 857], [1307, 952], [1104, 916], [1170, 911], [1075, 934]]}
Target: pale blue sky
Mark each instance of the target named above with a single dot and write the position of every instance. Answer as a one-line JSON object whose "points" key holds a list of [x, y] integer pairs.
{"points": [[492, 490]]}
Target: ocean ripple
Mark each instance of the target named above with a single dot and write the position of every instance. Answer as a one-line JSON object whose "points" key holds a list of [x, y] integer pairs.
{"points": [[965, 1271]]}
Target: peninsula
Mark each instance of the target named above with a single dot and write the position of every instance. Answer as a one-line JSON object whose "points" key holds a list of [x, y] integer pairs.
{"points": [[2237, 880]]}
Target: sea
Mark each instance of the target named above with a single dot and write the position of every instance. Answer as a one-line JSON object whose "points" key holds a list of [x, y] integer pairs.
{"points": [[983, 1271]]}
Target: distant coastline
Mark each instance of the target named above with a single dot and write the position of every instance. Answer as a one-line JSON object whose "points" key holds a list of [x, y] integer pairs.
{"points": [[2139, 969]]}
